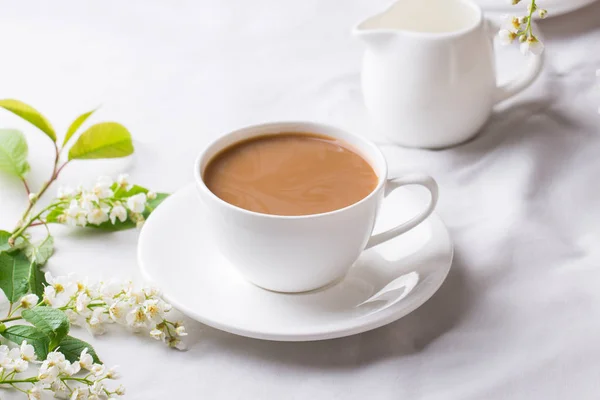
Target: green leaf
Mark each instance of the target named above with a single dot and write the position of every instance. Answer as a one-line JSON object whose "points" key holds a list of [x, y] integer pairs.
{"points": [[104, 140], [30, 115], [75, 125], [41, 252], [5, 247], [72, 347], [14, 275], [34, 337], [13, 152], [53, 322], [36, 280], [53, 215]]}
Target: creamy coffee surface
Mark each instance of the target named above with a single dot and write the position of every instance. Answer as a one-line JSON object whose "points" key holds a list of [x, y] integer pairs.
{"points": [[290, 174]]}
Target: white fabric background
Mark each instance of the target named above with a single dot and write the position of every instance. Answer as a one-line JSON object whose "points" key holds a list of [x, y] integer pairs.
{"points": [[519, 315]]}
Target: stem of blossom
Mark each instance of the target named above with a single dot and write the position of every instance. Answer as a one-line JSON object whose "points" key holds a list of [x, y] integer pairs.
{"points": [[11, 381], [24, 226], [55, 172], [10, 319], [532, 8], [26, 186]]}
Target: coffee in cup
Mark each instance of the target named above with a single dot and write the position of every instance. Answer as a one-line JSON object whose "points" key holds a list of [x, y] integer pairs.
{"points": [[290, 174]]}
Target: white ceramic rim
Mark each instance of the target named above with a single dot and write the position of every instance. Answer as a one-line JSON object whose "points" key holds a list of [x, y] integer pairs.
{"points": [[366, 146], [357, 30], [554, 10]]}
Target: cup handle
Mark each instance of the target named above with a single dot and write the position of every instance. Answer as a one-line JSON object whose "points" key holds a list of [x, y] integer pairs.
{"points": [[525, 78], [392, 184]]}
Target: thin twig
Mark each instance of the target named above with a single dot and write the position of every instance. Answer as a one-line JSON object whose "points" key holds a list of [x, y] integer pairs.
{"points": [[26, 186]]}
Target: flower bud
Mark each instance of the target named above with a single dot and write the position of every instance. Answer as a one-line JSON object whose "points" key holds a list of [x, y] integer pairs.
{"points": [[542, 13]]}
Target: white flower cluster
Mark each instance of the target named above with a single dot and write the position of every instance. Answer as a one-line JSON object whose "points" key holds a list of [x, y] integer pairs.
{"points": [[55, 372], [15, 360], [99, 205], [95, 305], [519, 28]]}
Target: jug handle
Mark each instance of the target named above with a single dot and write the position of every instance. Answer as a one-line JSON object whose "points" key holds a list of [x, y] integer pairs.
{"points": [[532, 70]]}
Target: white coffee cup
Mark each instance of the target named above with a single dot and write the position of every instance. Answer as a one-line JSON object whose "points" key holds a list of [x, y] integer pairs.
{"points": [[428, 74], [302, 253]]}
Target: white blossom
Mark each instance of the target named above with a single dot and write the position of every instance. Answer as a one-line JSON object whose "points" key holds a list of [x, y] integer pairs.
{"points": [[27, 352], [59, 291], [35, 393], [151, 195], [29, 301], [65, 192], [96, 321], [79, 394], [48, 373], [98, 369], [118, 310], [82, 302], [89, 200], [137, 318], [85, 360], [112, 373], [123, 182], [506, 37], [75, 215], [118, 212], [137, 203], [98, 215], [20, 365], [532, 46], [102, 189], [180, 331], [157, 334]]}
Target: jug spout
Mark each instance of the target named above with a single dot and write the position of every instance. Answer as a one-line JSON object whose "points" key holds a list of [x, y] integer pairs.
{"points": [[371, 35]]}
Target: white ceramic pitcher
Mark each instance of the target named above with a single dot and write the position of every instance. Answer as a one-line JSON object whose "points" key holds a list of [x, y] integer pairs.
{"points": [[428, 73]]}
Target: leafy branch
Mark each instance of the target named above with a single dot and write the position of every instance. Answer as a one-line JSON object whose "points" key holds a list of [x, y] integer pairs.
{"points": [[43, 307]]}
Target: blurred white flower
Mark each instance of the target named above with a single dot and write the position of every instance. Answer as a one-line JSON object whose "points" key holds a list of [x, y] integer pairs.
{"points": [[75, 215], [65, 192], [137, 203], [98, 215], [89, 200], [102, 189], [180, 331], [112, 373], [118, 212], [506, 37], [532, 46], [35, 393], [82, 302], [123, 182], [157, 334]]}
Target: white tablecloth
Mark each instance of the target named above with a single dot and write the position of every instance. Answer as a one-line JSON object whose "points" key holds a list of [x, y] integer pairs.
{"points": [[519, 315]]}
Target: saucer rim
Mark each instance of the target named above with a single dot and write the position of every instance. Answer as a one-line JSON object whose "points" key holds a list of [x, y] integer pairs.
{"points": [[392, 314]]}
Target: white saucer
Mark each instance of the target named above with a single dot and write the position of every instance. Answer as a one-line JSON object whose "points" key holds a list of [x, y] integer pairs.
{"points": [[554, 7], [176, 254]]}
